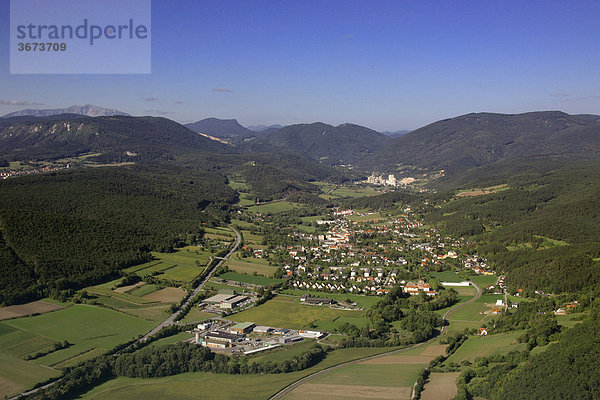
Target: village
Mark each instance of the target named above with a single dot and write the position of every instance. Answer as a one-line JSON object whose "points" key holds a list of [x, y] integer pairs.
{"points": [[351, 252], [370, 257]]}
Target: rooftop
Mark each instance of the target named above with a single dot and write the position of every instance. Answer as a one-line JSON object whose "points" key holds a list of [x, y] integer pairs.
{"points": [[219, 298], [243, 325]]}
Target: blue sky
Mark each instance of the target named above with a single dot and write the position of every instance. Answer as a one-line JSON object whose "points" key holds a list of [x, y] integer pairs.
{"points": [[388, 65]]}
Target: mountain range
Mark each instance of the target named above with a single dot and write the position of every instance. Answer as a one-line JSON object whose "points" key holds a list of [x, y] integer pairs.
{"points": [[88, 110], [221, 128], [454, 144], [479, 139], [396, 134], [68, 135], [263, 128], [342, 144]]}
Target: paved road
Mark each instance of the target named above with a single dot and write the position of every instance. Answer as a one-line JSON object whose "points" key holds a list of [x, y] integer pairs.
{"points": [[171, 319], [286, 390]]}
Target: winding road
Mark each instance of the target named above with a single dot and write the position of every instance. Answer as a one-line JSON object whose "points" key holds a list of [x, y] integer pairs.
{"points": [[286, 390]]}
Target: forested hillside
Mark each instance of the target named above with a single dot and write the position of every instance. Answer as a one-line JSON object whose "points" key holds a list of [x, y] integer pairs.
{"points": [[485, 138], [69, 229], [145, 138], [542, 229], [569, 369], [343, 144]]}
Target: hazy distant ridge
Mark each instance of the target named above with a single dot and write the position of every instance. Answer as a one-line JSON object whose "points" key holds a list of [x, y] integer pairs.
{"points": [[88, 109]]}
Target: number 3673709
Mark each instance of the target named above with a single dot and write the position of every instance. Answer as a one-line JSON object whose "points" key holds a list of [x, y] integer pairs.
{"points": [[41, 46]]}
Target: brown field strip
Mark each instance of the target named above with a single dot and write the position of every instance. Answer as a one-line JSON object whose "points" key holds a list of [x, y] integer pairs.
{"points": [[21, 310], [125, 289], [441, 386], [166, 295], [434, 350], [399, 359], [321, 391]]}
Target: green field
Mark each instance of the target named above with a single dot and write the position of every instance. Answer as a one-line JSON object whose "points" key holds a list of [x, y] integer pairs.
{"points": [[152, 313], [330, 325], [251, 265], [368, 217], [181, 336], [255, 280], [183, 265], [198, 385], [469, 291], [144, 289], [273, 208], [461, 299], [365, 302], [487, 345], [569, 320], [212, 285], [102, 290], [473, 312], [354, 192], [284, 312], [238, 186], [209, 386], [484, 281], [285, 352], [17, 375], [195, 315], [86, 327], [251, 238], [382, 375], [445, 276]]}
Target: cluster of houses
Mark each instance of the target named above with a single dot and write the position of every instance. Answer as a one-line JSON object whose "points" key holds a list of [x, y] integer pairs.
{"points": [[350, 258], [30, 171], [568, 308], [348, 280], [478, 265]]}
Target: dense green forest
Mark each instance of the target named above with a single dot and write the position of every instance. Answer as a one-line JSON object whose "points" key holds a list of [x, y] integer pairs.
{"points": [[542, 230], [69, 229], [569, 369]]}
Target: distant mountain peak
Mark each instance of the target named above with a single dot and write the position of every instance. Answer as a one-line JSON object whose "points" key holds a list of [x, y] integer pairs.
{"points": [[221, 128], [88, 109], [343, 144], [262, 127]]}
